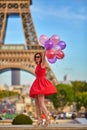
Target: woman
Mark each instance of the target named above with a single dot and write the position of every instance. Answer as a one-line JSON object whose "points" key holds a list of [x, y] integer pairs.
{"points": [[41, 87]]}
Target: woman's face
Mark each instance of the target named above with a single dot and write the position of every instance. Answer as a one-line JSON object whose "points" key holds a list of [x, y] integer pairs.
{"points": [[37, 58]]}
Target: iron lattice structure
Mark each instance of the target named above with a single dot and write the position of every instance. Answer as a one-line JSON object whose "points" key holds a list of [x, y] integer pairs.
{"points": [[19, 56]]}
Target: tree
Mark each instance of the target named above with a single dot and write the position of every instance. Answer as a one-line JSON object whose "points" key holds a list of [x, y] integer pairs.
{"points": [[81, 100], [79, 86], [63, 96]]}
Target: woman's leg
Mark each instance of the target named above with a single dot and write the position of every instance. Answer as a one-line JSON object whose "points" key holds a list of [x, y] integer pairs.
{"points": [[43, 107], [38, 111]]}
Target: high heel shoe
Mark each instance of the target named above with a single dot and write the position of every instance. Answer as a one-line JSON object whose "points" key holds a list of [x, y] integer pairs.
{"points": [[47, 123]]}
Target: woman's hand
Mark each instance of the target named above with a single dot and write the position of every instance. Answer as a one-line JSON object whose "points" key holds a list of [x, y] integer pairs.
{"points": [[43, 59]]}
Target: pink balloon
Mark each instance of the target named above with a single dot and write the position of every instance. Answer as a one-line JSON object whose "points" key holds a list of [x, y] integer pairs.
{"points": [[50, 53], [55, 39], [43, 38], [56, 47]]}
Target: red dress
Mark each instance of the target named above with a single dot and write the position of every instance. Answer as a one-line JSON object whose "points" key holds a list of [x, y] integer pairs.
{"points": [[41, 85]]}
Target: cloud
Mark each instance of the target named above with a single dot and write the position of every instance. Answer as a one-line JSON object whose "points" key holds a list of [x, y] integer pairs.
{"points": [[66, 13]]}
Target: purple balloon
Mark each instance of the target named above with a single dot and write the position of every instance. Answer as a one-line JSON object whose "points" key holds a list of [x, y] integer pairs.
{"points": [[48, 44], [62, 45], [52, 60]]}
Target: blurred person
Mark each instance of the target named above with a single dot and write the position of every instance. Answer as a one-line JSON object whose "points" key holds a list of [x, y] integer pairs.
{"points": [[25, 113]]}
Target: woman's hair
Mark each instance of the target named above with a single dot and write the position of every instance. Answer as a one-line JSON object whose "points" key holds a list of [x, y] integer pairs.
{"points": [[38, 53]]}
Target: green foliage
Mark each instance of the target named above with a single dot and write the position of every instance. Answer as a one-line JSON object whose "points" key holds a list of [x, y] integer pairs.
{"points": [[64, 96], [80, 93], [22, 119], [5, 93], [8, 116], [54, 99], [79, 86], [81, 100], [84, 87], [67, 94]]}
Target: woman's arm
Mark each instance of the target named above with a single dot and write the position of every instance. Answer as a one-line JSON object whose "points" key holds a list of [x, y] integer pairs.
{"points": [[43, 59]]}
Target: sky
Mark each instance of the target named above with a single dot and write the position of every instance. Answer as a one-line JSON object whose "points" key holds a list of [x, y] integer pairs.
{"points": [[67, 19]]}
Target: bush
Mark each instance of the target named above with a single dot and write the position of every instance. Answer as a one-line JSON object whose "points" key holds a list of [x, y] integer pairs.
{"points": [[21, 120]]}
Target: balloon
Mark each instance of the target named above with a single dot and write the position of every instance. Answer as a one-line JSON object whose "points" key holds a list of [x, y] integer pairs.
{"points": [[43, 38], [60, 54], [53, 47], [50, 53], [56, 47], [62, 45], [48, 45], [55, 39], [52, 60]]}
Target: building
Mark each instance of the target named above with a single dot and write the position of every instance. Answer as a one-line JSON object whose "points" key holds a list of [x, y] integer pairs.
{"points": [[15, 77], [66, 80]]}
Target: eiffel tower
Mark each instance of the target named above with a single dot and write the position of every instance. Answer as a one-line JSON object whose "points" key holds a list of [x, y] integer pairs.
{"points": [[14, 56]]}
